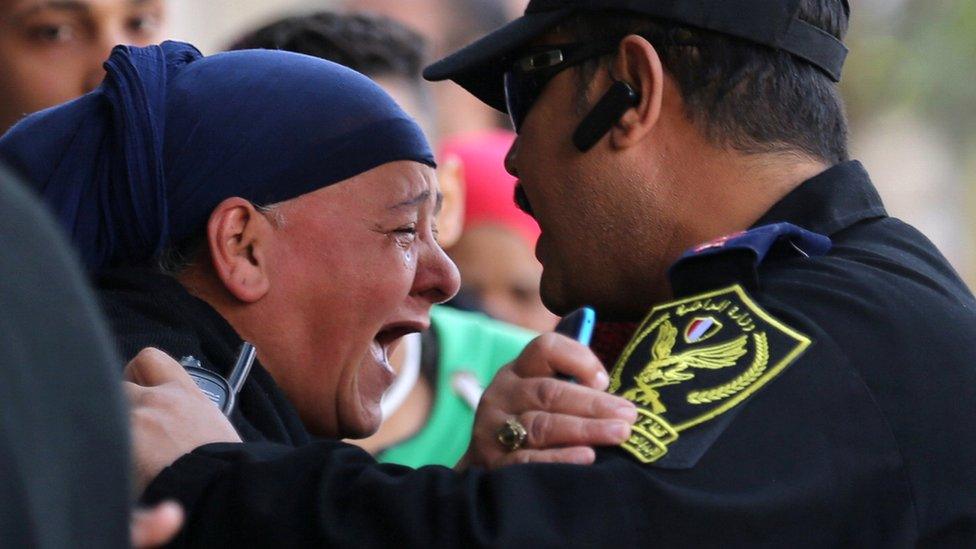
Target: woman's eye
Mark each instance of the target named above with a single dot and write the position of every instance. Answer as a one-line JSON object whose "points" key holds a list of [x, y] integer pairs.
{"points": [[405, 235]]}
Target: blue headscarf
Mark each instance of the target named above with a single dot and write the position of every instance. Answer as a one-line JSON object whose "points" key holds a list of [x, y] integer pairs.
{"points": [[143, 160]]}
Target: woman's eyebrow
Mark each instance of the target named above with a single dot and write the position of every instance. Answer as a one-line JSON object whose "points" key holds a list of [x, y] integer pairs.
{"points": [[418, 200]]}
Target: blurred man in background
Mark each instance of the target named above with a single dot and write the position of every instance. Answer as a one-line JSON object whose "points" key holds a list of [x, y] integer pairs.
{"points": [[52, 51], [447, 25]]}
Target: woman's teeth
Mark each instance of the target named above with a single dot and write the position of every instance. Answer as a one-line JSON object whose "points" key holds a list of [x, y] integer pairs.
{"points": [[382, 355]]}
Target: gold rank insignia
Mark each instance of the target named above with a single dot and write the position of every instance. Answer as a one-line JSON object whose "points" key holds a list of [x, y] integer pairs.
{"points": [[694, 359]]}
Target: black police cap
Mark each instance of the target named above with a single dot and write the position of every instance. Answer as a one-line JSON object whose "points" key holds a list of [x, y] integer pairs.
{"points": [[479, 67]]}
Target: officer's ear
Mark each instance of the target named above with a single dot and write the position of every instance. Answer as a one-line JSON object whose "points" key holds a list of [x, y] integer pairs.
{"points": [[638, 64], [238, 236]]}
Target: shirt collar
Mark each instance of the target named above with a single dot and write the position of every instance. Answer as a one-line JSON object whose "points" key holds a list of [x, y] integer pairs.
{"points": [[829, 202]]}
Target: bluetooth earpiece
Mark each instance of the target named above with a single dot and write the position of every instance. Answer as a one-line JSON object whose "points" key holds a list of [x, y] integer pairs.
{"points": [[607, 111]]}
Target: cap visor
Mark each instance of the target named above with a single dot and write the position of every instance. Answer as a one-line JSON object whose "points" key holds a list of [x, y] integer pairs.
{"points": [[480, 66]]}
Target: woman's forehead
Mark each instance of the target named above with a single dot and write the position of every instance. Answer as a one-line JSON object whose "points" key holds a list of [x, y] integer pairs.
{"points": [[393, 186], [398, 183]]}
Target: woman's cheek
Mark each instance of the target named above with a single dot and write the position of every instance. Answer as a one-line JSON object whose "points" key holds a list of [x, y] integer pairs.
{"points": [[402, 270], [388, 284]]}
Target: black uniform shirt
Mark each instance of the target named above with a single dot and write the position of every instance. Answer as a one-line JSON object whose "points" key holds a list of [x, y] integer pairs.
{"points": [[849, 423], [149, 309], [904, 326]]}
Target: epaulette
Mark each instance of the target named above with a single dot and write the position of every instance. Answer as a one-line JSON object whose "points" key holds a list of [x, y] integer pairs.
{"points": [[693, 361], [735, 258]]}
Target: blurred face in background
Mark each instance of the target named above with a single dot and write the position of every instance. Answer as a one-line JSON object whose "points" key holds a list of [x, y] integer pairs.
{"points": [[498, 266], [52, 51], [447, 25]]}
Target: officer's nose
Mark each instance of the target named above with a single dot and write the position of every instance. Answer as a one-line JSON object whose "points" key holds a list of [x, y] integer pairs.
{"points": [[512, 157]]}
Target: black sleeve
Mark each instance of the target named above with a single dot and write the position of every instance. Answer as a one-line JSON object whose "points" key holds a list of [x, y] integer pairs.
{"points": [[333, 494]]}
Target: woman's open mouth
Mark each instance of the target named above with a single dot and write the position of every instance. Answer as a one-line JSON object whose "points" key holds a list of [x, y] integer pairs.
{"points": [[386, 341]]}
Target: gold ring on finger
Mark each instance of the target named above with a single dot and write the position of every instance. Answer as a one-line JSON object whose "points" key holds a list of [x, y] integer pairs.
{"points": [[512, 434]]}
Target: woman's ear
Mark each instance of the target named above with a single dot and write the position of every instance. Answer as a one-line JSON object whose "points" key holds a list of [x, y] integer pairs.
{"points": [[639, 65], [239, 238]]}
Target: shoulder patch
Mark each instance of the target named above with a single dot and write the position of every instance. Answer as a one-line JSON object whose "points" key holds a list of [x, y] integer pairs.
{"points": [[693, 360]]}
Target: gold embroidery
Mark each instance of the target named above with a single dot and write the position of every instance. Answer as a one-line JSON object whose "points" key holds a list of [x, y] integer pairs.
{"points": [[650, 437], [642, 332], [666, 369], [755, 348], [738, 384]]}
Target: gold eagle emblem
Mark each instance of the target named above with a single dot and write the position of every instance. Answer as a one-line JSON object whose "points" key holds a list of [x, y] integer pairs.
{"points": [[666, 368]]}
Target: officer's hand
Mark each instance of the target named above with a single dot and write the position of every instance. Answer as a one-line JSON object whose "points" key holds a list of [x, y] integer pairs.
{"points": [[169, 415], [155, 527], [562, 420]]}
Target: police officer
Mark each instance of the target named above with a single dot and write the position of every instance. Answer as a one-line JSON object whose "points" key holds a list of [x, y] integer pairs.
{"points": [[802, 362], [807, 350]]}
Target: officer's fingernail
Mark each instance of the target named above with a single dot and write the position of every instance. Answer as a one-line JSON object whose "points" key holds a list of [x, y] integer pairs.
{"points": [[585, 457], [627, 412], [619, 430], [602, 379]]}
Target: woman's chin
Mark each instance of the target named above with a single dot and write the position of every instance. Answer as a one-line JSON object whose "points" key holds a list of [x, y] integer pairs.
{"points": [[366, 422], [364, 416], [357, 410], [357, 417], [372, 380]]}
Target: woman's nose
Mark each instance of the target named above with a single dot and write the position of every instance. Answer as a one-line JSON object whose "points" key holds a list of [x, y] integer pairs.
{"points": [[437, 279]]}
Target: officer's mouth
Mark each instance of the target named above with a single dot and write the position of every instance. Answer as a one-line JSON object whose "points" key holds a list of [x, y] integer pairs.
{"points": [[538, 250], [522, 200]]}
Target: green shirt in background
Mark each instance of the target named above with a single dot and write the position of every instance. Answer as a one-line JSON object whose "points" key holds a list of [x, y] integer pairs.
{"points": [[467, 343]]}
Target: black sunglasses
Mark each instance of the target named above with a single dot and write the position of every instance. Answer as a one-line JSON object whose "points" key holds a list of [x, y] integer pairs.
{"points": [[531, 72]]}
